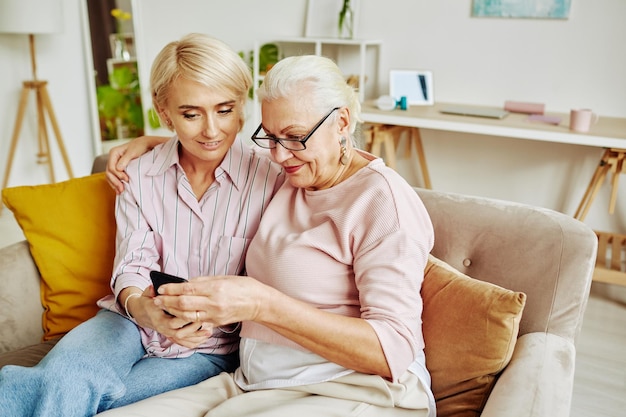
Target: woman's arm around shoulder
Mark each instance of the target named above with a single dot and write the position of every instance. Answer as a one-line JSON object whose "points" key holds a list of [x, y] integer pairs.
{"points": [[121, 155]]}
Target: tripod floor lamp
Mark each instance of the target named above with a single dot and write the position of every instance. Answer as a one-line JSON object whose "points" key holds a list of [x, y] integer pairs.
{"points": [[33, 17]]}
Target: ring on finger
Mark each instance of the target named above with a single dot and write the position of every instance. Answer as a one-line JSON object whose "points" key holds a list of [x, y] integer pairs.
{"points": [[197, 315]]}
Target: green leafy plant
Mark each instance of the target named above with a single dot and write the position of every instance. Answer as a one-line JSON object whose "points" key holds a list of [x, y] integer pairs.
{"points": [[121, 48], [268, 56], [119, 105], [346, 29]]}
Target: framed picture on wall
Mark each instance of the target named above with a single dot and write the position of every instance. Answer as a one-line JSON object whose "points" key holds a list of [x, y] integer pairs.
{"points": [[415, 85], [537, 9]]}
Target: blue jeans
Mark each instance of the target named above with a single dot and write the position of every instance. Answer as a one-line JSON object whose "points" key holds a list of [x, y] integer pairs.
{"points": [[97, 366]]}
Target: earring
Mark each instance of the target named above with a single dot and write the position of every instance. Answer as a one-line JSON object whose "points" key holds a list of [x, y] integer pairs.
{"points": [[344, 152], [169, 124]]}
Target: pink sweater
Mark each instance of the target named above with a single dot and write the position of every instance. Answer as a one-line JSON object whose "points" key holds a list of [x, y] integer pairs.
{"points": [[358, 249]]}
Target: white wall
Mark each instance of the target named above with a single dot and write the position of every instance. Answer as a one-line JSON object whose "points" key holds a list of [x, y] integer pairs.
{"points": [[60, 61], [564, 64]]}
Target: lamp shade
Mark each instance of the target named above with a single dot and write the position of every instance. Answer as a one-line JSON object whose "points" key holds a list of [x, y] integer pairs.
{"points": [[31, 16]]}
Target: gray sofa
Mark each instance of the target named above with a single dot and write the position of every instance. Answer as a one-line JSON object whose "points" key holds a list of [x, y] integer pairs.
{"points": [[547, 255]]}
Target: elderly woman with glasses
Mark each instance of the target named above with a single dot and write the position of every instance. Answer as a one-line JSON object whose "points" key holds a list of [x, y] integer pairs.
{"points": [[330, 306]]}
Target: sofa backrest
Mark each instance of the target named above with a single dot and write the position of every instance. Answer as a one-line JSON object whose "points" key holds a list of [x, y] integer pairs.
{"points": [[545, 254], [99, 163]]}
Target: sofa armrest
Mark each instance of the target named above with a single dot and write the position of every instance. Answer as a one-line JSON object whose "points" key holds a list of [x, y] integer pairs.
{"points": [[538, 381], [20, 299]]}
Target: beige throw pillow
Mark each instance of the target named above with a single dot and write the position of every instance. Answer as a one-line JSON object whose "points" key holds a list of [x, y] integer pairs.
{"points": [[470, 330]]}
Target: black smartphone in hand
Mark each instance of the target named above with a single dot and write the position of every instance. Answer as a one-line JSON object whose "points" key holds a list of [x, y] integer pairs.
{"points": [[159, 278]]}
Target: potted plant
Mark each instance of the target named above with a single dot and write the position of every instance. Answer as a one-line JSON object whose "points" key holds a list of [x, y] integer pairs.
{"points": [[119, 105], [346, 21], [268, 56], [120, 49]]}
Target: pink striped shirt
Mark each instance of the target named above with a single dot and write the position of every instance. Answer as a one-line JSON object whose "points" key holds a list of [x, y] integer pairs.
{"points": [[161, 225]]}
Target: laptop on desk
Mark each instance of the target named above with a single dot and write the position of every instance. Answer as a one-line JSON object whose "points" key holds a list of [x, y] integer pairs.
{"points": [[489, 112]]}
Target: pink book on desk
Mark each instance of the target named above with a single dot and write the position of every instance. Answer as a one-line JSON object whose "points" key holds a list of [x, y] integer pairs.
{"points": [[523, 107], [551, 120]]}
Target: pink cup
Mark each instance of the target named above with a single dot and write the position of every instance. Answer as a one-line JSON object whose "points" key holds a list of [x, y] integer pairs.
{"points": [[580, 120]]}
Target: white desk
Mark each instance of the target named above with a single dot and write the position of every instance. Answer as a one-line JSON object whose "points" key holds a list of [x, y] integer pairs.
{"points": [[609, 132]]}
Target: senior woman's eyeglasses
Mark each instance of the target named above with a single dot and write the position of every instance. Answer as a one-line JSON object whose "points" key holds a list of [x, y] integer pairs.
{"points": [[270, 141]]}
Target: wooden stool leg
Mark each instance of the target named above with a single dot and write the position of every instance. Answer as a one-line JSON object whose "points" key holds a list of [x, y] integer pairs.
{"points": [[57, 131], [614, 183], [409, 141], [417, 138], [390, 150], [586, 200], [43, 156], [375, 148], [381, 136], [16, 134], [609, 269], [602, 175], [397, 132], [616, 253], [604, 239], [366, 135]]}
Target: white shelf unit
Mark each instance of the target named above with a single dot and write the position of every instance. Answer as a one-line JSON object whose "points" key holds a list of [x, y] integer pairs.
{"points": [[354, 56]]}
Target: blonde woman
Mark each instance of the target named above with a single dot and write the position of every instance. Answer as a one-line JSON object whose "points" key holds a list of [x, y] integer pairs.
{"points": [[189, 208]]}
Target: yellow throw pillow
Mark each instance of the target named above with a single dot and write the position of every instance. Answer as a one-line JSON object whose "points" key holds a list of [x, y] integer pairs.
{"points": [[70, 227], [470, 330]]}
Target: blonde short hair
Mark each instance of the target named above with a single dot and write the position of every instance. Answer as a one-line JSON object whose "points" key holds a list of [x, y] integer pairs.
{"points": [[202, 59]]}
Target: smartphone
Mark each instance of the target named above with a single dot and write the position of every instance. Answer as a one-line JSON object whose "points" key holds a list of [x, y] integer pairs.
{"points": [[159, 278]]}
